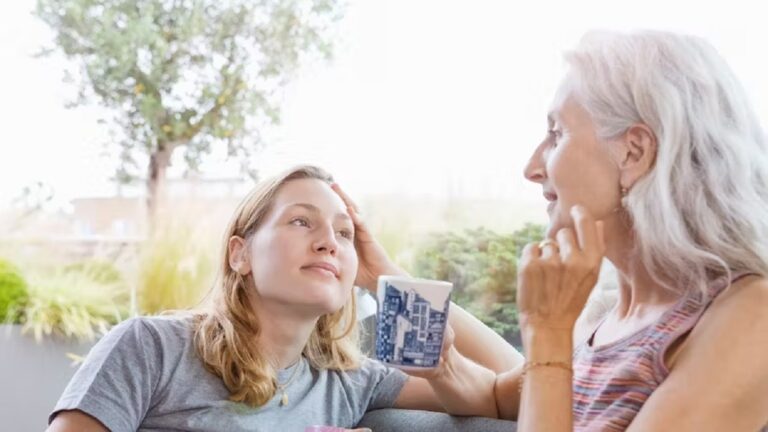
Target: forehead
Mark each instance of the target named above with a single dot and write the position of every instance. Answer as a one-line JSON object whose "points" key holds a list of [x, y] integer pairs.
{"points": [[309, 191], [565, 107]]}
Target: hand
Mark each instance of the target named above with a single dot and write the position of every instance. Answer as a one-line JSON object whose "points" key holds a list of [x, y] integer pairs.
{"points": [[556, 277], [373, 259], [447, 353]]}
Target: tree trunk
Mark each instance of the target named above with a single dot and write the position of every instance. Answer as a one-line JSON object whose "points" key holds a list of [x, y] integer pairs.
{"points": [[158, 165]]}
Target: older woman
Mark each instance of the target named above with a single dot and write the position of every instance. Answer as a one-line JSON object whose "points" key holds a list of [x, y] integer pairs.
{"points": [[654, 159]]}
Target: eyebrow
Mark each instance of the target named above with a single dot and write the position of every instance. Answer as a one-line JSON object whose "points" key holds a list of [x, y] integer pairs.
{"points": [[314, 209], [551, 118]]}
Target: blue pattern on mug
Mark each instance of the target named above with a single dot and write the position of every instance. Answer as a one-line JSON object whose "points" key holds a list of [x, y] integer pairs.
{"points": [[410, 329]]}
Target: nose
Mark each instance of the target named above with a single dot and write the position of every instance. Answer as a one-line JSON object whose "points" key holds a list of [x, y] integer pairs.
{"points": [[326, 241], [535, 169]]}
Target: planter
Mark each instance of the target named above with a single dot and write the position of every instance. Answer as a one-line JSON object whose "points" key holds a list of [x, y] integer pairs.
{"points": [[33, 376]]}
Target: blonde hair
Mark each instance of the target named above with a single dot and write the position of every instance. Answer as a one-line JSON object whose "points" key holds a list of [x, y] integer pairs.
{"points": [[226, 332], [702, 211]]}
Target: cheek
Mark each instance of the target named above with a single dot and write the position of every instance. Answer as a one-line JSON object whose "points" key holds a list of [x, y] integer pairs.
{"points": [[349, 260]]}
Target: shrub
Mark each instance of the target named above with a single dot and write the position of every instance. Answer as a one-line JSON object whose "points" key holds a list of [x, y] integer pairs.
{"points": [[74, 304], [13, 293], [482, 265], [97, 269], [177, 269]]}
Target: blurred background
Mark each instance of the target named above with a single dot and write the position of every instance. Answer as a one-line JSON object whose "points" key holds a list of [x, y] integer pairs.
{"points": [[131, 129]]}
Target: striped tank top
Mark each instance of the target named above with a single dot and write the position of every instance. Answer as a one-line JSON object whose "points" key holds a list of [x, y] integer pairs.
{"points": [[613, 381]]}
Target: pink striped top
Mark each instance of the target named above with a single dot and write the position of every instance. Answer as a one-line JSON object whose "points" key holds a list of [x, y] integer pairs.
{"points": [[613, 381]]}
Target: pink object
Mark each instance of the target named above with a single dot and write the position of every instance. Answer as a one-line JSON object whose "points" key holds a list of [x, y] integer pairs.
{"points": [[324, 429]]}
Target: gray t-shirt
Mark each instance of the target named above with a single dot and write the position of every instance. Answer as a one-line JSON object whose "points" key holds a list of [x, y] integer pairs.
{"points": [[145, 375]]}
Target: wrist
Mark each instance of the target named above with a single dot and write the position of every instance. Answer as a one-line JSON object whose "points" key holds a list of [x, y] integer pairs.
{"points": [[445, 371], [546, 344]]}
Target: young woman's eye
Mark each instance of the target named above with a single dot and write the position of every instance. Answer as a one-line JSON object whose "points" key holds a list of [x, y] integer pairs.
{"points": [[347, 234], [300, 222]]}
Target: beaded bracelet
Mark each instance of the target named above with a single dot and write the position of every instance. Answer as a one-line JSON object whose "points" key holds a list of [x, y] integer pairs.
{"points": [[532, 364]]}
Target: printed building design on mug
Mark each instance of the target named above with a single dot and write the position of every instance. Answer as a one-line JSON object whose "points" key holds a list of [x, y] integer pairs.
{"points": [[411, 329]]}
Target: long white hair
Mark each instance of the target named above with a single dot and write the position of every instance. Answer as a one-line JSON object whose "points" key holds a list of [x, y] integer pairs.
{"points": [[702, 210]]}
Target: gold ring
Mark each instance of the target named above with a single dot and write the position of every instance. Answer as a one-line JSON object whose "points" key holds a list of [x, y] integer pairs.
{"points": [[548, 242]]}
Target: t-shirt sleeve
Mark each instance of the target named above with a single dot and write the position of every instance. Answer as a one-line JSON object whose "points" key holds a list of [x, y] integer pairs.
{"points": [[116, 381], [382, 385]]}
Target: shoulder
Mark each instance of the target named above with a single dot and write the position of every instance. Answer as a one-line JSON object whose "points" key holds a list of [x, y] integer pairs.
{"points": [[738, 314], [745, 301], [151, 333]]}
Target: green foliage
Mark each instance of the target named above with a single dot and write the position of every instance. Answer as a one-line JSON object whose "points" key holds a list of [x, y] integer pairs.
{"points": [[191, 74], [74, 304], [177, 269], [98, 270], [13, 293], [482, 265]]}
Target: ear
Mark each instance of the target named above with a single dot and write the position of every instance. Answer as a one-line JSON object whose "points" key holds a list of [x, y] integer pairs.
{"points": [[637, 154], [238, 255]]}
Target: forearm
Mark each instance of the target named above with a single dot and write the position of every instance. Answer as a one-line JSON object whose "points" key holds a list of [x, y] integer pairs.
{"points": [[465, 388], [547, 393], [480, 343]]}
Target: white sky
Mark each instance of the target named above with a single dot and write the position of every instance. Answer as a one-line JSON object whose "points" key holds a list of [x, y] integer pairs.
{"points": [[424, 97]]}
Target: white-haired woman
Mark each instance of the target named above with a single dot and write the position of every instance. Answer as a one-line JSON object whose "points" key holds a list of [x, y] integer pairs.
{"points": [[654, 159]]}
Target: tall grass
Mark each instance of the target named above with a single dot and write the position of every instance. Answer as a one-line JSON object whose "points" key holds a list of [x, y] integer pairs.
{"points": [[74, 304], [176, 267]]}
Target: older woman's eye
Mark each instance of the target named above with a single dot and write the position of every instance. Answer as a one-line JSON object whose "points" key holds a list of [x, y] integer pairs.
{"points": [[300, 222], [553, 135]]}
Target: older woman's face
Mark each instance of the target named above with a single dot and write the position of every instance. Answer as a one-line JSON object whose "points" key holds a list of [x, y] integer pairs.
{"points": [[572, 165]]}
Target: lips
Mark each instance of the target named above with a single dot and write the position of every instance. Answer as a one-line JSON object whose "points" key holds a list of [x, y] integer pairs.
{"points": [[323, 266], [552, 198]]}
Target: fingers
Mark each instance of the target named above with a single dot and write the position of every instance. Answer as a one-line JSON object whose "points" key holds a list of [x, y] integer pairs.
{"points": [[344, 197], [568, 244], [549, 248], [361, 230], [448, 339], [584, 224], [590, 233]]}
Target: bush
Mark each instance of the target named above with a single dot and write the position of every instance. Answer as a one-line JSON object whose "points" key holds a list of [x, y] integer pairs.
{"points": [[482, 265], [13, 293], [72, 303], [98, 270], [177, 269]]}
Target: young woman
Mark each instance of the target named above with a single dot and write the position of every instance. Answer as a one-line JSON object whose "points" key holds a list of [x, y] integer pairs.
{"points": [[277, 347]]}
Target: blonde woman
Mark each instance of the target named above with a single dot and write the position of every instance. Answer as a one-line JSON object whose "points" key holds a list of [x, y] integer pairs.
{"points": [[277, 349]]}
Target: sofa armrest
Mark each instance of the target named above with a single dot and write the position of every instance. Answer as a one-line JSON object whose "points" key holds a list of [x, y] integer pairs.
{"points": [[399, 420]]}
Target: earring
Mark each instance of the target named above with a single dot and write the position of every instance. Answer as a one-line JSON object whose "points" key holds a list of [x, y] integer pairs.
{"points": [[623, 191]]}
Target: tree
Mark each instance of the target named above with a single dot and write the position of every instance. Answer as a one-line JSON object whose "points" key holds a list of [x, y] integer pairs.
{"points": [[186, 74]]}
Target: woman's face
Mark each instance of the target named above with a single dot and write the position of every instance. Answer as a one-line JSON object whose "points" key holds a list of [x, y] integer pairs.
{"points": [[303, 254], [572, 165]]}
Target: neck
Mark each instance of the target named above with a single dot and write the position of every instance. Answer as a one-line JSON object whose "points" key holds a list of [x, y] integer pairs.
{"points": [[284, 333], [639, 293]]}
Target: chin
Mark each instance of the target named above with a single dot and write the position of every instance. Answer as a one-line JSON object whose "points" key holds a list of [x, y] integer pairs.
{"points": [[329, 302]]}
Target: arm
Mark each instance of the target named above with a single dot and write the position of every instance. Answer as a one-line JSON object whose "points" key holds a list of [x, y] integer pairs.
{"points": [[718, 380], [554, 281], [458, 386], [480, 344], [75, 421]]}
